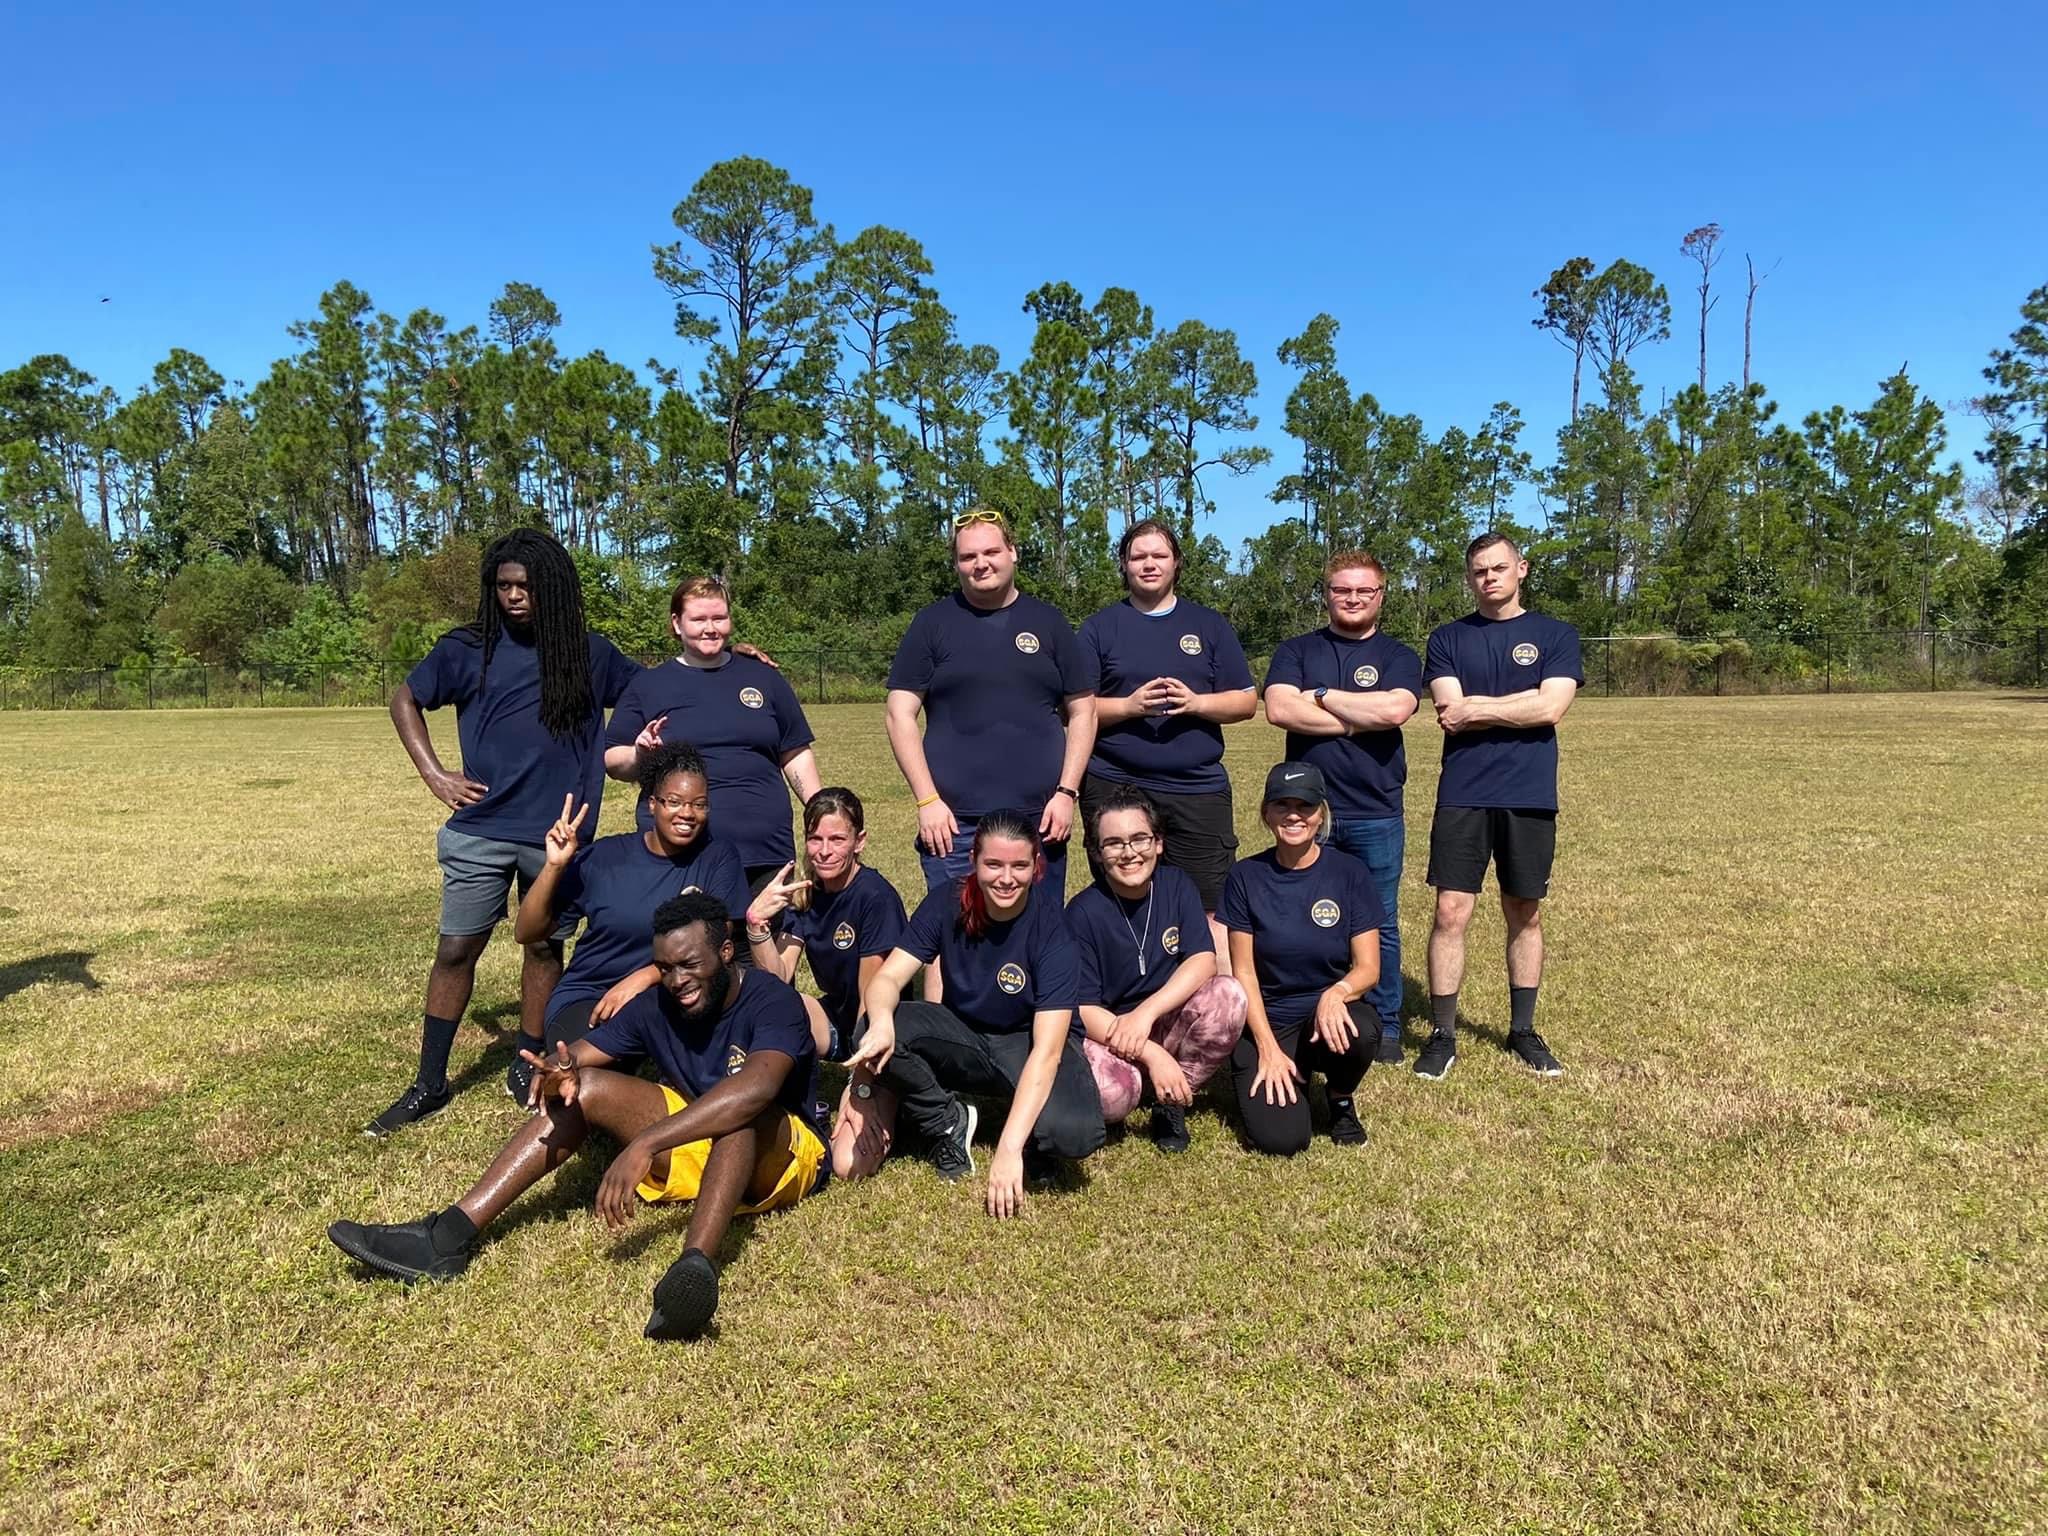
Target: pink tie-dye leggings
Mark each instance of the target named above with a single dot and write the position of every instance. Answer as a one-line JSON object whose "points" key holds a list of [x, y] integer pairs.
{"points": [[1199, 1035]]}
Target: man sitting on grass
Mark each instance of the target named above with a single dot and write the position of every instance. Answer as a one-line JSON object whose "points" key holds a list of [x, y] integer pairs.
{"points": [[731, 1124]]}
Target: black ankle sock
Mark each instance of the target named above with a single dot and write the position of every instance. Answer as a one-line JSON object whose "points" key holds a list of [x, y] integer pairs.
{"points": [[1521, 1010], [437, 1039], [1443, 1012], [451, 1231]]}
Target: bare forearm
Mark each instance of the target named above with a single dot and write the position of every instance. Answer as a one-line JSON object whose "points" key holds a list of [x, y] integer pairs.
{"points": [[1034, 1087], [622, 763], [1227, 707], [802, 772], [1096, 1023], [1292, 710], [1375, 709], [733, 1105], [535, 919], [411, 726], [1526, 708], [907, 743], [1187, 979], [1080, 740]]}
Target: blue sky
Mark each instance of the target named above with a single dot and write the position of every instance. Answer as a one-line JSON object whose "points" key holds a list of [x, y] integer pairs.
{"points": [[1415, 171]]}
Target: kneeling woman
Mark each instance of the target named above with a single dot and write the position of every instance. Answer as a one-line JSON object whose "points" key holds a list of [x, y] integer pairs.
{"points": [[1154, 1010], [1304, 919], [615, 884], [845, 918], [1006, 1027]]}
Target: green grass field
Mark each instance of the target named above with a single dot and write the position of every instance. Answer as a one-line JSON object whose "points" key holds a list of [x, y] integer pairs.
{"points": [[1772, 1258]]}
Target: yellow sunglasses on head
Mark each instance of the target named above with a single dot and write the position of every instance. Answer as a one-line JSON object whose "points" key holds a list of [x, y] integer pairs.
{"points": [[980, 515]]}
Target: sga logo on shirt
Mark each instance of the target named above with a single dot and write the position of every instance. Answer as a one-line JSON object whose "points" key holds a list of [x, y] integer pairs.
{"points": [[1324, 914], [843, 936], [735, 1058], [1027, 642], [752, 698], [1170, 940], [1192, 644], [1011, 978], [1525, 654], [1365, 677]]}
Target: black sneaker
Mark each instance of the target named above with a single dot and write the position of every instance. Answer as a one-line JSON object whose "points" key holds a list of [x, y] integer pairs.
{"points": [[684, 1298], [1041, 1169], [952, 1155], [1389, 1053], [1528, 1048], [405, 1251], [519, 1075], [1346, 1129], [416, 1103], [1435, 1058], [1170, 1127]]}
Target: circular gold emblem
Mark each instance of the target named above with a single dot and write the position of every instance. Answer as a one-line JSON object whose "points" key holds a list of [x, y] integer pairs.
{"points": [[1027, 642], [1525, 654], [752, 698], [1170, 941], [1324, 914], [1192, 644], [843, 936], [1011, 979], [1365, 677]]}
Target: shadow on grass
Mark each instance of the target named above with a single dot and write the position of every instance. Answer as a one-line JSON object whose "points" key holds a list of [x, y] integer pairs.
{"points": [[65, 965]]}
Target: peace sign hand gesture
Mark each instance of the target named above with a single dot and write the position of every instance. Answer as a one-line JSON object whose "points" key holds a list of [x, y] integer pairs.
{"points": [[649, 739], [774, 896], [561, 844]]}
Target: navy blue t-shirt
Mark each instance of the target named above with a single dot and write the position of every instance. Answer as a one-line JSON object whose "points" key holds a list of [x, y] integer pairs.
{"points": [[993, 686], [839, 931], [1510, 767], [1015, 969], [1302, 922], [1364, 771], [614, 885], [504, 745], [744, 718], [1167, 925], [1122, 650], [694, 1055]]}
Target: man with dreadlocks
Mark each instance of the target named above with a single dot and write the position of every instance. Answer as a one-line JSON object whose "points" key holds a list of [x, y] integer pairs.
{"points": [[530, 686]]}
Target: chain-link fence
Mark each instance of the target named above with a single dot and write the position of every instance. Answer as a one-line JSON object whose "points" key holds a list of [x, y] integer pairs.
{"points": [[1621, 666]]}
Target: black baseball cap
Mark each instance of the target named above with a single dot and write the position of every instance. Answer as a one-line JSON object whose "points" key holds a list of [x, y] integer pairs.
{"points": [[1295, 781]]}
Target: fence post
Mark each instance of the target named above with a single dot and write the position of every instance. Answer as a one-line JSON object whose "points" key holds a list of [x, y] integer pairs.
{"points": [[1608, 646], [1720, 672], [1933, 650], [103, 687], [1827, 663], [53, 690], [149, 676], [821, 674], [2037, 656], [205, 688], [321, 673], [259, 685]]}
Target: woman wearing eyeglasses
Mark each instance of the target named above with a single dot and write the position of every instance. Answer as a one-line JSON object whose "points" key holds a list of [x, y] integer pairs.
{"points": [[1008, 719], [735, 709], [1304, 924], [1157, 1016], [615, 884], [1168, 674]]}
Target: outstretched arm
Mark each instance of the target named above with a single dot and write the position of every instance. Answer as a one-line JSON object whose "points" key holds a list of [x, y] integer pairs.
{"points": [[1034, 1087]]}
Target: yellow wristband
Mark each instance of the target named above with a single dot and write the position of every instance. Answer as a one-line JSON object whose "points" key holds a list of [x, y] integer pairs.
{"points": [[931, 799]]}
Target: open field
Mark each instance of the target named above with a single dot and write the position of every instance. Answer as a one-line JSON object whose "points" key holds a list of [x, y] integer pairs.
{"points": [[1772, 1258]]}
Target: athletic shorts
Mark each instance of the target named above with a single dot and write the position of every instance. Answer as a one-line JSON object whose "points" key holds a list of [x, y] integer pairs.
{"points": [[792, 1167], [1200, 832], [1464, 839], [477, 874]]}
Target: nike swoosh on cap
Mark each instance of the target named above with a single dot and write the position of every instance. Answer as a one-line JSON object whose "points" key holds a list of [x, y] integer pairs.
{"points": [[1291, 777]]}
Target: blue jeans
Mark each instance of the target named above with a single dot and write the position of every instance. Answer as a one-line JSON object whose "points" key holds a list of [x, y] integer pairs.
{"points": [[955, 865], [1381, 843]]}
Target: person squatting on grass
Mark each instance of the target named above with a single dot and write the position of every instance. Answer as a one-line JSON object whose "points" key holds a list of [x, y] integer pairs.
{"points": [[530, 686], [1009, 720], [615, 883], [736, 709], [1158, 1018], [1501, 678], [730, 1126], [1006, 1029], [1304, 920], [1342, 694], [1167, 674]]}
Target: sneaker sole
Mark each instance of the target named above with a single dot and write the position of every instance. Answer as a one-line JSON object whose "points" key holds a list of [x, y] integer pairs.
{"points": [[967, 1136], [348, 1243], [1439, 1075], [375, 1132], [684, 1300], [1536, 1071]]}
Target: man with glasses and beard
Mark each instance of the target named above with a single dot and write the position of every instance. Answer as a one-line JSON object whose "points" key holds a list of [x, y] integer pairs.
{"points": [[731, 1125], [1342, 694]]}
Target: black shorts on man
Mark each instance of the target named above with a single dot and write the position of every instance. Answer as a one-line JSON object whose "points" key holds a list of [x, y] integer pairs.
{"points": [[1521, 845]]}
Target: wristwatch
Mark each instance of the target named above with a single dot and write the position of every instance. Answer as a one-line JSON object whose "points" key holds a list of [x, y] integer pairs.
{"points": [[863, 1090], [1071, 794], [1319, 694]]}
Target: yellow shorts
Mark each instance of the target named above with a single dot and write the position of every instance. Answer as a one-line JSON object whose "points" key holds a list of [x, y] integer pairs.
{"points": [[787, 1172]]}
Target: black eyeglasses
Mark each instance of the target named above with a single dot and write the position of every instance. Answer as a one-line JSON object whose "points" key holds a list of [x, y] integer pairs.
{"points": [[1115, 847]]}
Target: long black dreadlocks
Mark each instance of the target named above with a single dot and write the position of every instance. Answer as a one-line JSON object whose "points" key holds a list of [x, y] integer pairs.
{"points": [[558, 629]]}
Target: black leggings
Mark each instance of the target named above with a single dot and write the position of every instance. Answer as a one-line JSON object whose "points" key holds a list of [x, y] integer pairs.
{"points": [[938, 1054], [1283, 1129], [571, 1025]]}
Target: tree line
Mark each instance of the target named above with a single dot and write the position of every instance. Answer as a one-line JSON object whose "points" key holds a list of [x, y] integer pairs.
{"points": [[822, 417]]}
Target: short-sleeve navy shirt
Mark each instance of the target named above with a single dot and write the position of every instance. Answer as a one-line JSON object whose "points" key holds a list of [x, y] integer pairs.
{"points": [[1364, 772], [1502, 766], [1122, 650], [1167, 926], [993, 684], [614, 885], [694, 1056], [1302, 922], [744, 718], [1015, 969], [504, 745], [842, 928]]}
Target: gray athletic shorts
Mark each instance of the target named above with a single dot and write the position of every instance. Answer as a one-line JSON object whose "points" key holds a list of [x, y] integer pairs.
{"points": [[477, 874]]}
